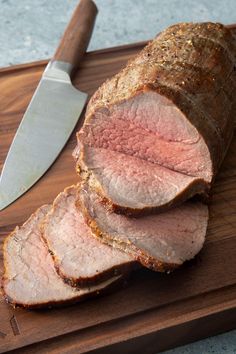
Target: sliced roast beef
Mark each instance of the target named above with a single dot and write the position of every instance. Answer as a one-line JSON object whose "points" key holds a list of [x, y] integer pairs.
{"points": [[161, 242], [121, 176], [30, 279], [80, 259], [168, 115]]}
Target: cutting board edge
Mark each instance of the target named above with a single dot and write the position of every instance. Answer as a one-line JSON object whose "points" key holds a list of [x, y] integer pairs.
{"points": [[118, 48], [109, 344], [44, 62]]}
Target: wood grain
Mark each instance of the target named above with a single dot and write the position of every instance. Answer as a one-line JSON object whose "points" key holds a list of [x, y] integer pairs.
{"points": [[155, 311], [76, 38]]}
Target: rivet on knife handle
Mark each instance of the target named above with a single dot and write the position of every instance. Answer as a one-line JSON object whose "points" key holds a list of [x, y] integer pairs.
{"points": [[77, 35]]}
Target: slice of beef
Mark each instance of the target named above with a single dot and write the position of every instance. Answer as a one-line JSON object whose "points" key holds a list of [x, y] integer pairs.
{"points": [[80, 259], [30, 279], [121, 176], [161, 242], [171, 110]]}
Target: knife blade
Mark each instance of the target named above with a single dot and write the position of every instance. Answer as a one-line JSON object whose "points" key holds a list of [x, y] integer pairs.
{"points": [[52, 113]]}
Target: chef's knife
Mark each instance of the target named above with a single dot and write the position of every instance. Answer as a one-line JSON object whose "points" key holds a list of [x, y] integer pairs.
{"points": [[52, 113]]}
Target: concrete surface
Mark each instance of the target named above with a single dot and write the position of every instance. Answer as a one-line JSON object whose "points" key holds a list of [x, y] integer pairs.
{"points": [[30, 30]]}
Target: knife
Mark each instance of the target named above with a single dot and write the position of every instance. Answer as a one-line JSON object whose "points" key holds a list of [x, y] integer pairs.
{"points": [[52, 113]]}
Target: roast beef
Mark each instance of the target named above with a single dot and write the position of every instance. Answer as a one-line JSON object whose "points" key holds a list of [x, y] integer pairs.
{"points": [[30, 279], [161, 242], [156, 133], [80, 259]]}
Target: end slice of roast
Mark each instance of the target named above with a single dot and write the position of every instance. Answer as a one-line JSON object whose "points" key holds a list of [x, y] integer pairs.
{"points": [[30, 279], [156, 133], [80, 258], [161, 242]]}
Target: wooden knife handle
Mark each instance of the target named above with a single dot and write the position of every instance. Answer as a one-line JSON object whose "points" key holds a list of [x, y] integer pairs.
{"points": [[77, 34]]}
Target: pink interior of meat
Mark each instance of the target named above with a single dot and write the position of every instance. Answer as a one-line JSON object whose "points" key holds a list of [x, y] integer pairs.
{"points": [[70, 239], [35, 279], [153, 129], [137, 183], [171, 237], [31, 275]]}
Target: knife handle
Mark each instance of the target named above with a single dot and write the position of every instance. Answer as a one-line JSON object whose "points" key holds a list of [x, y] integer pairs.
{"points": [[76, 37]]}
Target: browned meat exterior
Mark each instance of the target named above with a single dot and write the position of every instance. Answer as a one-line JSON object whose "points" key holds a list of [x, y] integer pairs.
{"points": [[167, 117], [30, 279], [79, 257], [161, 242]]}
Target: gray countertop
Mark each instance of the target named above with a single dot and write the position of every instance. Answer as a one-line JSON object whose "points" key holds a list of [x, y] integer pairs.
{"points": [[30, 30]]}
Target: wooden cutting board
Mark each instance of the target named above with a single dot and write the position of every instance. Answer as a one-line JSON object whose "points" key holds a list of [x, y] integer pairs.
{"points": [[155, 311]]}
